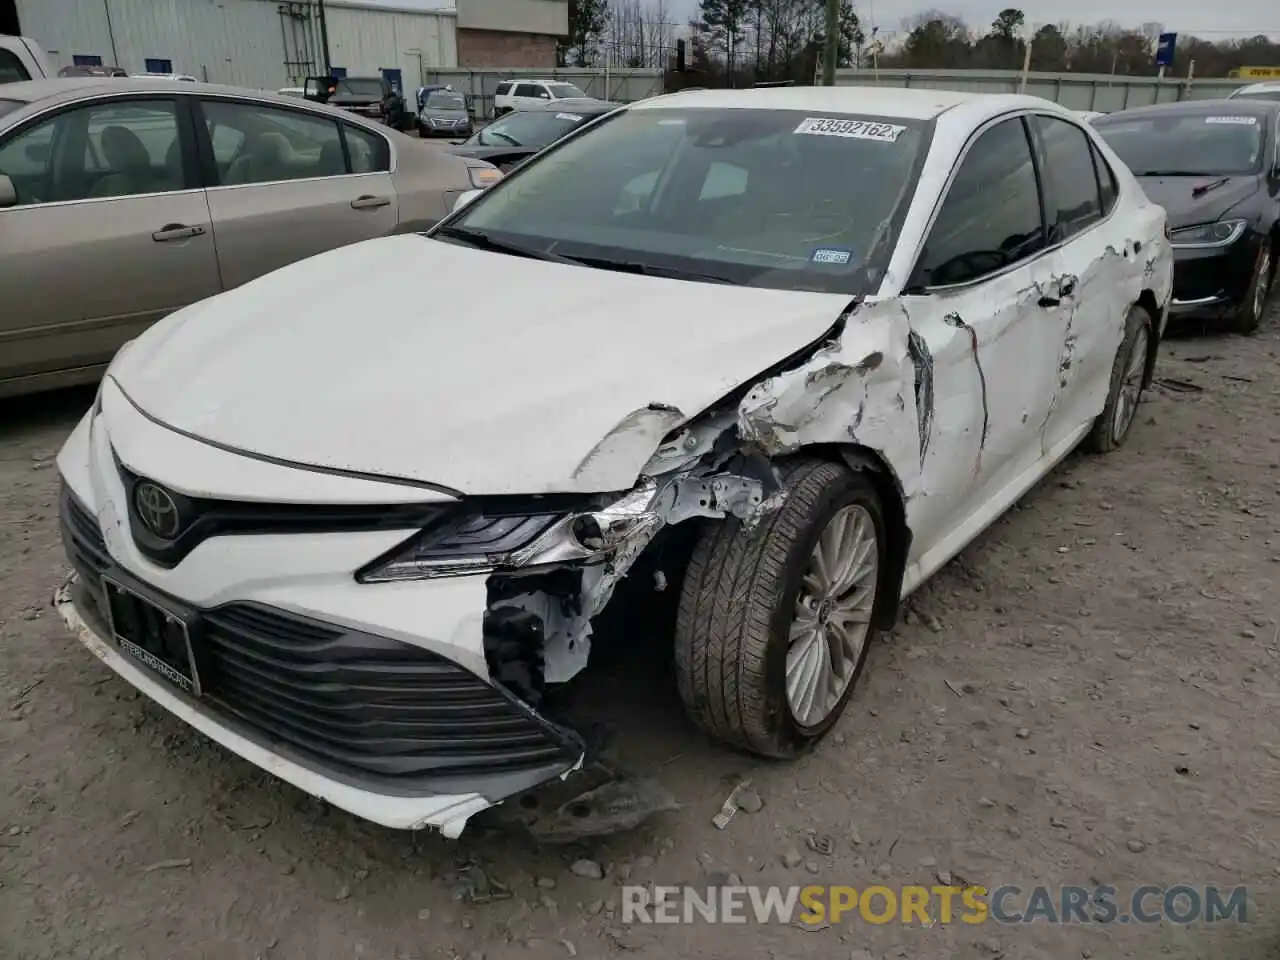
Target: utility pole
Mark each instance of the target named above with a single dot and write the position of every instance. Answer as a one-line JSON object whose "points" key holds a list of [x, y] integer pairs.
{"points": [[1026, 61], [832, 52], [324, 37]]}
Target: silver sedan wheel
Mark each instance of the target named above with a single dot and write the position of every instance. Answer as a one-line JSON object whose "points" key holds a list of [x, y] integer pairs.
{"points": [[832, 615], [1130, 387]]}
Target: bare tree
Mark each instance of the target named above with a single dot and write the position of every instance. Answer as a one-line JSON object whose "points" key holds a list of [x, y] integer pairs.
{"points": [[639, 34]]}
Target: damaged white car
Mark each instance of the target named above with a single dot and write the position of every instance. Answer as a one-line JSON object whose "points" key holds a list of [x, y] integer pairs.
{"points": [[830, 334]]}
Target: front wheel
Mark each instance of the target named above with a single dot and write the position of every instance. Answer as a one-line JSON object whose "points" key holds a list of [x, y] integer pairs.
{"points": [[1128, 375], [775, 619], [1255, 299]]}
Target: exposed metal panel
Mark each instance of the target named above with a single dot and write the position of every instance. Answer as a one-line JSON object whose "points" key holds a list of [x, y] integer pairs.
{"points": [[366, 41], [263, 44]]}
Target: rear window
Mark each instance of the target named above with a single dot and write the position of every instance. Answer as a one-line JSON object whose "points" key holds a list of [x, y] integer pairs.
{"points": [[11, 68], [765, 198], [8, 106], [1217, 143]]}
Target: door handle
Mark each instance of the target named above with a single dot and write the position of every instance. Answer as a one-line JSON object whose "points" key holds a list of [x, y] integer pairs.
{"points": [[176, 231], [370, 202]]}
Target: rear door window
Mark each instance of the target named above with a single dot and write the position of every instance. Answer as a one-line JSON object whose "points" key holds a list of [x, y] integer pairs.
{"points": [[11, 68], [253, 143], [1073, 200]]}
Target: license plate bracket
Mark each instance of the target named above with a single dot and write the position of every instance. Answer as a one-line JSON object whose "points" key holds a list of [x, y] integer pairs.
{"points": [[153, 634]]}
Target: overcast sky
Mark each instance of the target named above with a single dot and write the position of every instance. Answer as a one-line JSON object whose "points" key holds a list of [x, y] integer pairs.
{"points": [[1210, 20]]}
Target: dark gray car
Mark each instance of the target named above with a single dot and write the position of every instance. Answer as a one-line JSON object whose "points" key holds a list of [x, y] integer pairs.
{"points": [[444, 114]]}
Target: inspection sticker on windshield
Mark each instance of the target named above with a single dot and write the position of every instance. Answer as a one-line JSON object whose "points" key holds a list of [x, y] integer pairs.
{"points": [[1245, 121], [568, 116], [853, 129], [836, 255]]}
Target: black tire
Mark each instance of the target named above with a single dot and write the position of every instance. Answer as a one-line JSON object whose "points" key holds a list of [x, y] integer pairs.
{"points": [[1102, 437], [736, 608], [1249, 316]]}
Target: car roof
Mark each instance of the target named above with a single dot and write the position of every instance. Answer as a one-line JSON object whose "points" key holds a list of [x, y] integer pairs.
{"points": [[904, 103], [55, 91], [1195, 108], [1266, 86]]}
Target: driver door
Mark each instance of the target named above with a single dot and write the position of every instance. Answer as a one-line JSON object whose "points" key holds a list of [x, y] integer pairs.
{"points": [[994, 338]]}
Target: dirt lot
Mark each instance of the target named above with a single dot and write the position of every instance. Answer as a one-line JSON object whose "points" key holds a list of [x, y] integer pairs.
{"points": [[1087, 695]]}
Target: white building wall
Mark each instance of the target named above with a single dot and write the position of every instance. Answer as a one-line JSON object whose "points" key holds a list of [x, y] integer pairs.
{"points": [[240, 42]]}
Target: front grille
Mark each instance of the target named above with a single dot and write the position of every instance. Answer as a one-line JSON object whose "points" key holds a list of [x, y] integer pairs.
{"points": [[82, 541], [367, 703], [355, 704]]}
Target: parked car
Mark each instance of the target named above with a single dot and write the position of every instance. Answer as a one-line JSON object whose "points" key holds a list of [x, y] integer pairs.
{"points": [[518, 136], [1268, 90], [92, 70], [110, 218], [522, 94], [22, 59], [1214, 166], [444, 114], [373, 97], [354, 534], [184, 77]]}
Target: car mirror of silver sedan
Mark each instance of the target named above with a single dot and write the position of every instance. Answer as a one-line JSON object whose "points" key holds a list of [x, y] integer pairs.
{"points": [[463, 199], [9, 193]]}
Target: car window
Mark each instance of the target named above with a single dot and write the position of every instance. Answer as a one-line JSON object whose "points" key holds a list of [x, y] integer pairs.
{"points": [[360, 87], [254, 143], [11, 68], [564, 91], [1071, 182], [444, 100], [526, 90], [1206, 141], [370, 153], [106, 150], [991, 216], [1107, 184], [503, 89], [765, 198]]}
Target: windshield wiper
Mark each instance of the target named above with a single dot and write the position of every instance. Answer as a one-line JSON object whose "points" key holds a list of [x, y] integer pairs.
{"points": [[511, 140], [484, 241], [648, 269]]}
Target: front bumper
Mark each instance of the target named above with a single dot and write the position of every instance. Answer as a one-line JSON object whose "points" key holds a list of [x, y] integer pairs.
{"points": [[377, 700], [1212, 282]]}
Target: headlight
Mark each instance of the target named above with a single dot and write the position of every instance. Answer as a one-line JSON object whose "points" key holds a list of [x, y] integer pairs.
{"points": [[483, 544], [482, 177], [1220, 234]]}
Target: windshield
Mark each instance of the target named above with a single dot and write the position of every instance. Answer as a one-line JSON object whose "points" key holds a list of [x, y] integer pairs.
{"points": [[359, 87], [563, 91], [535, 128], [1193, 145], [441, 100], [766, 198], [8, 106]]}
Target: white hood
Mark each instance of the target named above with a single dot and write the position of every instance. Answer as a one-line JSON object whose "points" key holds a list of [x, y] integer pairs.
{"points": [[484, 373]]}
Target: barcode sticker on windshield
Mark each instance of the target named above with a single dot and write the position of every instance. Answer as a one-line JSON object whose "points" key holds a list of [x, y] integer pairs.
{"points": [[1245, 121], [853, 129], [834, 255], [568, 116]]}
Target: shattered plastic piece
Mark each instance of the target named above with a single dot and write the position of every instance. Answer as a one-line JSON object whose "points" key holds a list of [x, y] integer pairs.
{"points": [[730, 805], [613, 807]]}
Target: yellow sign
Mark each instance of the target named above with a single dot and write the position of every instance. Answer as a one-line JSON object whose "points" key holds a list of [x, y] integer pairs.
{"points": [[1258, 73]]}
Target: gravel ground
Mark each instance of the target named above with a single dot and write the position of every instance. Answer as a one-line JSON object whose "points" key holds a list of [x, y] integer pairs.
{"points": [[1087, 695]]}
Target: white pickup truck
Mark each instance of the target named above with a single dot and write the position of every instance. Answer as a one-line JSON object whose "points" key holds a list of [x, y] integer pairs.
{"points": [[22, 59]]}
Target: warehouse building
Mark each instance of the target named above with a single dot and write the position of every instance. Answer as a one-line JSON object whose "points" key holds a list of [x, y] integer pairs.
{"points": [[269, 44]]}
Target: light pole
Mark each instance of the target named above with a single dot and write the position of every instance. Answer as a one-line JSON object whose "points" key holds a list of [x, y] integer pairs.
{"points": [[832, 52]]}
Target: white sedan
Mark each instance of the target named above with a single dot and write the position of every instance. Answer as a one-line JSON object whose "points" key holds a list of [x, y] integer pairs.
{"points": [[828, 335]]}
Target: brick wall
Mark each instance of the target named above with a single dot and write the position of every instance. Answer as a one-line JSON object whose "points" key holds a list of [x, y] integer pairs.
{"points": [[496, 48]]}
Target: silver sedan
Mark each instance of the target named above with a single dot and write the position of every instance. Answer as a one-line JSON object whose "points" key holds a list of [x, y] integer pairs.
{"points": [[122, 200]]}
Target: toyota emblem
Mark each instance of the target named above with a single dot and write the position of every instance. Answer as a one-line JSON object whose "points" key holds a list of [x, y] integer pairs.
{"points": [[156, 509]]}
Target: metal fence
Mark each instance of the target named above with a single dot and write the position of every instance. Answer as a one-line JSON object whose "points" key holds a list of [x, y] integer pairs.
{"points": [[1076, 91], [478, 86]]}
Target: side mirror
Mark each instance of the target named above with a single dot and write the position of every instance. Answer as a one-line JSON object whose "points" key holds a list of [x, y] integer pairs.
{"points": [[8, 193], [465, 198]]}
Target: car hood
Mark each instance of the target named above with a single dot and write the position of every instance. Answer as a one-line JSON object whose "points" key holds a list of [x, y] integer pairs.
{"points": [[1177, 196], [483, 152], [536, 377], [353, 99]]}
